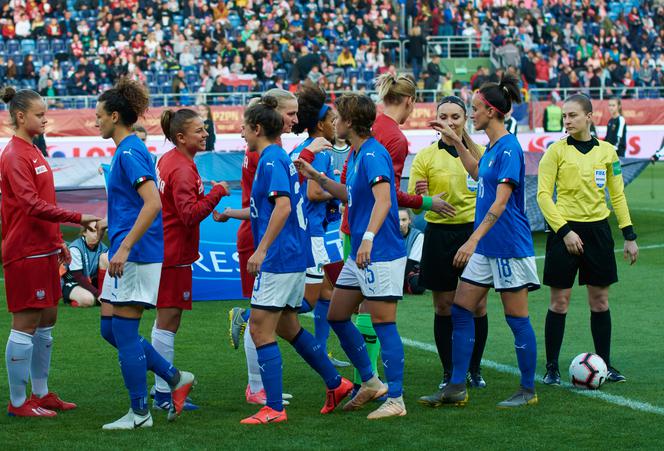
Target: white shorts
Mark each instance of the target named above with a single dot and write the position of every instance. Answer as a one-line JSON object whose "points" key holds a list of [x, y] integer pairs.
{"points": [[315, 274], [139, 285], [381, 281], [278, 291], [505, 274]]}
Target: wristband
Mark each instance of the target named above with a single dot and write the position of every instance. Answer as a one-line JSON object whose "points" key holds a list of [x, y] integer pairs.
{"points": [[368, 236], [563, 230], [628, 233], [427, 202]]}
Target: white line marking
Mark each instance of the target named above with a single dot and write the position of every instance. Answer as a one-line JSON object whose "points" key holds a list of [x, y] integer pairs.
{"points": [[617, 251], [596, 394], [648, 209]]}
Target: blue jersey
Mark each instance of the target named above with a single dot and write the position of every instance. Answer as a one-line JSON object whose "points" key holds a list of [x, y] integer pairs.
{"points": [[370, 165], [510, 236], [316, 212], [276, 176], [131, 166]]}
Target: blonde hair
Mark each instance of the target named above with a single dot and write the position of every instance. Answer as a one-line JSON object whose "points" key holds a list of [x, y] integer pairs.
{"points": [[392, 89], [281, 95]]}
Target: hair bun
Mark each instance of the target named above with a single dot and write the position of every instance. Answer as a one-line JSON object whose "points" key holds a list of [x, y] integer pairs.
{"points": [[8, 94], [270, 101]]}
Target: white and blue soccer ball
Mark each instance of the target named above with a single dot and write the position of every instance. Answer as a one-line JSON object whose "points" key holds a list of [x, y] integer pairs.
{"points": [[588, 371]]}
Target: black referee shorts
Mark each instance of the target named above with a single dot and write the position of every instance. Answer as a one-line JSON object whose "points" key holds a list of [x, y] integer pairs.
{"points": [[441, 243], [596, 266]]}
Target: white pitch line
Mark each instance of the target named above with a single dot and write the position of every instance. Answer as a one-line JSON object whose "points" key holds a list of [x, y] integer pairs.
{"points": [[617, 251], [596, 394]]}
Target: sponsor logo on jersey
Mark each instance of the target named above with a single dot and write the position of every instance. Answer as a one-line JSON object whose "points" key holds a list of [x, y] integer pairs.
{"points": [[600, 177], [471, 183], [41, 169], [186, 295]]}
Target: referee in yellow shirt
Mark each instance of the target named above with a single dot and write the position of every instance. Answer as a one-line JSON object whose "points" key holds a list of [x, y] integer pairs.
{"points": [[581, 167], [438, 169]]}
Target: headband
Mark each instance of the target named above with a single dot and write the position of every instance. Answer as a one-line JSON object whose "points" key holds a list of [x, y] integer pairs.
{"points": [[487, 103], [453, 99], [323, 111]]}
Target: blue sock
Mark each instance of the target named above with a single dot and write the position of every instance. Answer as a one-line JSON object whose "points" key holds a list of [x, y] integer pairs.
{"points": [[305, 307], [391, 353], [159, 365], [269, 360], [107, 330], [132, 361], [353, 345], [463, 342], [321, 326], [525, 345], [312, 352], [245, 314], [161, 398]]}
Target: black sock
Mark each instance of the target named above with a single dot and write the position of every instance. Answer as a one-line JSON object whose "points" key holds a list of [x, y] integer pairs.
{"points": [[554, 331], [600, 326], [442, 332], [481, 334]]}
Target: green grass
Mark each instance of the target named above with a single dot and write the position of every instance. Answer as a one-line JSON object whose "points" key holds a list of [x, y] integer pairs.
{"points": [[85, 370]]}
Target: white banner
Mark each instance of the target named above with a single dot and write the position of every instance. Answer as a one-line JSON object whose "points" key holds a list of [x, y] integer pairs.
{"points": [[642, 142]]}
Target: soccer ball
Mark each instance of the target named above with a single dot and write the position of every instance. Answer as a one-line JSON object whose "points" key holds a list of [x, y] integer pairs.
{"points": [[588, 371]]}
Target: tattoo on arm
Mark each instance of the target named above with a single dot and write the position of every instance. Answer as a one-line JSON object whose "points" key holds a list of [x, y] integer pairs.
{"points": [[490, 218], [322, 181]]}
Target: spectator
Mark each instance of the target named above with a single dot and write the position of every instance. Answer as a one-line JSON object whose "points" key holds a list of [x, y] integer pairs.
{"points": [[314, 74], [416, 51], [237, 67], [205, 113], [346, 59], [23, 28], [509, 54], [29, 72], [553, 118], [11, 71], [187, 59], [432, 77], [616, 129], [83, 275]]}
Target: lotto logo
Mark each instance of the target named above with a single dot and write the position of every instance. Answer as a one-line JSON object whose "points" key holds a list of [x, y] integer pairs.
{"points": [[41, 294]]}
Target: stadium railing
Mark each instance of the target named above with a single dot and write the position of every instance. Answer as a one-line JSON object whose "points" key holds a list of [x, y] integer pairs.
{"points": [[457, 47]]}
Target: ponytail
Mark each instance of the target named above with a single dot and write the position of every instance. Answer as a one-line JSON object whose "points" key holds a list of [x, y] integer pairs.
{"points": [[173, 123]]}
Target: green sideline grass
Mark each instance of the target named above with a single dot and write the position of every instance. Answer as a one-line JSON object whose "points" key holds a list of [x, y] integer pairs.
{"points": [[85, 370]]}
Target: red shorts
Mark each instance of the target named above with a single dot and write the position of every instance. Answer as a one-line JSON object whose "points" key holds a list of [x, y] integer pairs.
{"points": [[175, 288], [33, 283], [247, 279]]}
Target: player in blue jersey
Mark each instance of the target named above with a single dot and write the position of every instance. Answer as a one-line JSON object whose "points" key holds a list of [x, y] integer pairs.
{"points": [[374, 269], [136, 254], [278, 226], [500, 252], [317, 119]]}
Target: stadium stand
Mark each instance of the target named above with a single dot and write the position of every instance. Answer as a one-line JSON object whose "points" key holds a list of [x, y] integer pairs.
{"points": [[229, 49]]}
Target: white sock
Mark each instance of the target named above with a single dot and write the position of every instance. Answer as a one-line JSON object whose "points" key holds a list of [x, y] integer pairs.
{"points": [[253, 370], [164, 343], [42, 341], [18, 356]]}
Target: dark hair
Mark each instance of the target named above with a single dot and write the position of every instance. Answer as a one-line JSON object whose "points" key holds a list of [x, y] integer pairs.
{"points": [[619, 102], [129, 98], [583, 100], [310, 100], [264, 112], [174, 122], [453, 99], [19, 100], [359, 110], [500, 96]]}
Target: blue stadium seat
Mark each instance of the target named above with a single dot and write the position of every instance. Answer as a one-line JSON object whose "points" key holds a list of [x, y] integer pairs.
{"points": [[243, 88], [163, 78], [154, 89], [13, 46], [58, 46], [368, 75], [353, 73], [235, 21], [281, 73], [2, 47], [157, 101], [43, 46], [28, 46], [150, 78], [191, 78]]}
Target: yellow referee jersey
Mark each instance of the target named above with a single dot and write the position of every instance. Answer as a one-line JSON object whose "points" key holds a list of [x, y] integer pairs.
{"points": [[445, 173], [580, 179]]}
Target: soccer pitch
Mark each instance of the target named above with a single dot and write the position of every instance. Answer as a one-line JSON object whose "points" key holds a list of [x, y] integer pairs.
{"points": [[85, 370]]}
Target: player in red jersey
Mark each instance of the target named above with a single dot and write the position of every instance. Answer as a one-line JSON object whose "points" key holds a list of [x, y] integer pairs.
{"points": [[184, 206], [32, 250]]}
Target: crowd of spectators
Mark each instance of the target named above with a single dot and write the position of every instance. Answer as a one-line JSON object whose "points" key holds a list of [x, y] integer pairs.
{"points": [[79, 47]]}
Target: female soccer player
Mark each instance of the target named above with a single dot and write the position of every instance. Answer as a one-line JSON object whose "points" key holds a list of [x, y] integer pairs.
{"points": [[136, 254], [499, 253], [184, 206], [374, 270], [398, 95], [32, 250], [616, 129], [581, 167], [279, 264], [439, 168]]}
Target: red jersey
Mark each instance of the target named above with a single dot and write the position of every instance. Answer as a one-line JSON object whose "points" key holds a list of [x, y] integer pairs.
{"points": [[184, 206], [245, 239], [30, 216]]}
